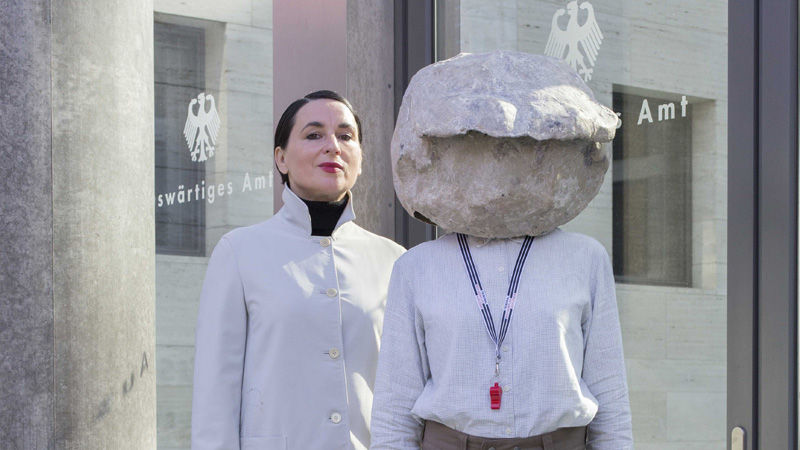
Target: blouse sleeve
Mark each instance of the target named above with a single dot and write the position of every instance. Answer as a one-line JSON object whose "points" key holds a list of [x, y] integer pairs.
{"points": [[604, 365], [219, 354], [402, 370]]}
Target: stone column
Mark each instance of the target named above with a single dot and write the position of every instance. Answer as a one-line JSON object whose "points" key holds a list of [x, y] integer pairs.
{"points": [[77, 323], [370, 86], [26, 227]]}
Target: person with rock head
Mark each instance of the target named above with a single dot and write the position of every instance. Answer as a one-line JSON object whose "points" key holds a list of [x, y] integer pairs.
{"points": [[505, 333], [292, 308]]}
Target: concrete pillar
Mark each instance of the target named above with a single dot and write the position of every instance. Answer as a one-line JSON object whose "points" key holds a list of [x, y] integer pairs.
{"points": [[370, 85], [77, 250], [26, 227], [346, 46]]}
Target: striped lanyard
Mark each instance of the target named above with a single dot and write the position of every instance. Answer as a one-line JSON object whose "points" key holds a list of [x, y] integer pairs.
{"points": [[480, 296]]}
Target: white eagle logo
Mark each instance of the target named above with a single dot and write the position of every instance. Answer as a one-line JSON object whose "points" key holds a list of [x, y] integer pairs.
{"points": [[201, 129], [588, 35]]}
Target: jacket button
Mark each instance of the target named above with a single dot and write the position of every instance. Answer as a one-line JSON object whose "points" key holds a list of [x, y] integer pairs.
{"points": [[334, 353], [325, 242], [332, 292], [508, 430], [336, 417]]}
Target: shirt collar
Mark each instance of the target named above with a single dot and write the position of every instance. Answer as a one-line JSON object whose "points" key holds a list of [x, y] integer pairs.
{"points": [[481, 241], [295, 211]]}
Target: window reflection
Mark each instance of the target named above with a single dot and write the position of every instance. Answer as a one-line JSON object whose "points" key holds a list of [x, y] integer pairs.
{"points": [[213, 168], [652, 190], [179, 75], [662, 211]]}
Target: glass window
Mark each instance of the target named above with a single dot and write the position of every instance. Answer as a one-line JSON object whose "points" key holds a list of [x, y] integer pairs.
{"points": [[662, 211], [179, 75], [651, 202], [213, 127]]}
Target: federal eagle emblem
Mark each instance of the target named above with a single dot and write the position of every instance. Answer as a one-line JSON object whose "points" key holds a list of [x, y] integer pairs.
{"points": [[201, 129], [587, 35]]}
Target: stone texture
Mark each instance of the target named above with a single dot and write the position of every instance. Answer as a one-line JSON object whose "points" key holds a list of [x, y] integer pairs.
{"points": [[370, 78], [305, 27], [103, 224], [499, 144], [26, 228], [232, 11], [238, 70]]}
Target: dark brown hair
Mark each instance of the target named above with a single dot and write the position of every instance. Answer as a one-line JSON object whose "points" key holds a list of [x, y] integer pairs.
{"points": [[285, 125]]}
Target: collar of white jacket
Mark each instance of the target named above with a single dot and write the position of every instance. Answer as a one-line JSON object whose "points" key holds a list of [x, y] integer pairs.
{"points": [[295, 211]]}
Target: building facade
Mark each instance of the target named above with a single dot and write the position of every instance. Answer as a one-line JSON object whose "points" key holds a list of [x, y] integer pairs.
{"points": [[105, 247]]}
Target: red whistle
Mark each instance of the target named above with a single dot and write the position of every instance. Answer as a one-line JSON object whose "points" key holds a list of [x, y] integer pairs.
{"points": [[495, 393]]}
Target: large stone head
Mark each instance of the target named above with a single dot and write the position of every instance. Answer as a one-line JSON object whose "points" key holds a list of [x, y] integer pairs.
{"points": [[499, 144]]}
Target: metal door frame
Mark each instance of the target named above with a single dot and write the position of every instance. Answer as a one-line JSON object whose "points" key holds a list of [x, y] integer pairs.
{"points": [[414, 48], [762, 222]]}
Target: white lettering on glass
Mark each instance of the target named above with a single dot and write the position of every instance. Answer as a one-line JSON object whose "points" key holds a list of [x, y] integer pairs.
{"points": [[210, 193], [587, 35], [201, 129], [666, 111], [645, 113]]}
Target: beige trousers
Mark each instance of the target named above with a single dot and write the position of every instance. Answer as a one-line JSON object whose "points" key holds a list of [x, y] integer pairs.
{"points": [[436, 436]]}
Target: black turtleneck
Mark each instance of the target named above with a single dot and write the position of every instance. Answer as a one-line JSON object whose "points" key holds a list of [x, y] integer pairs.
{"points": [[325, 215]]}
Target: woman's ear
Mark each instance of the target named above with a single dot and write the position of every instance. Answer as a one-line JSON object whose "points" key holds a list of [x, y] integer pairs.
{"points": [[280, 160]]}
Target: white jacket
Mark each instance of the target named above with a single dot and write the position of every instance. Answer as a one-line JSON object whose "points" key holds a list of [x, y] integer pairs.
{"points": [[288, 334]]}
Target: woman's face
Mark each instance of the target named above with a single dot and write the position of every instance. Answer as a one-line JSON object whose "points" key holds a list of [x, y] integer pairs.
{"points": [[322, 156]]}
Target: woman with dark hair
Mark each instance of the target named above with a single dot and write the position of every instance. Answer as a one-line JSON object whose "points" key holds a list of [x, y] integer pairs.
{"points": [[292, 308]]}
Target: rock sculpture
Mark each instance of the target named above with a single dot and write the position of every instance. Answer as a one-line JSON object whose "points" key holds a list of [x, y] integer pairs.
{"points": [[499, 144]]}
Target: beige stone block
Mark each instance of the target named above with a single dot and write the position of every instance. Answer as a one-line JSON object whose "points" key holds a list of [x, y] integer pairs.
{"points": [[722, 279], [689, 62], [231, 11], [704, 186], [649, 416], [697, 328], [248, 59], [175, 365], [642, 318], [217, 210], [706, 248], [214, 234], [698, 417], [709, 16], [491, 25], [541, 153], [174, 417], [179, 281], [262, 13], [247, 119], [667, 375], [249, 206]]}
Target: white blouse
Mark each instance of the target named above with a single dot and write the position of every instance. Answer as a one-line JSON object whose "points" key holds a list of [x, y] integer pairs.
{"points": [[288, 335], [561, 363]]}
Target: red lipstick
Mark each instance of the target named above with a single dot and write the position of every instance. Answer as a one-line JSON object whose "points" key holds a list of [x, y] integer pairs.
{"points": [[331, 167]]}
